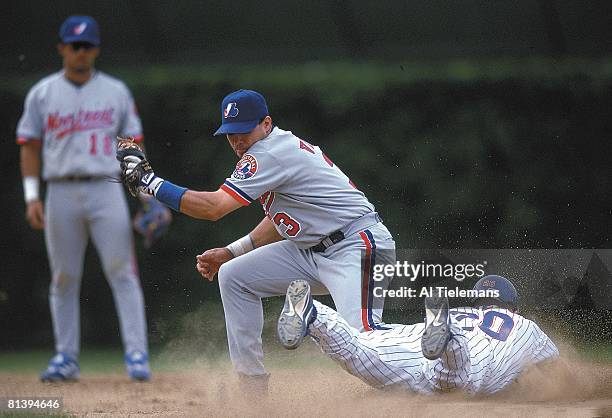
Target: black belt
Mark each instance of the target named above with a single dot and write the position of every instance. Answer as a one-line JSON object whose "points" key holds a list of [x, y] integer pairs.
{"points": [[78, 178], [365, 221], [331, 239]]}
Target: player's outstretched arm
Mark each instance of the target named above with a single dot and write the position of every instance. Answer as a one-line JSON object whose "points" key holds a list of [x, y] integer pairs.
{"points": [[138, 176], [209, 262], [207, 205]]}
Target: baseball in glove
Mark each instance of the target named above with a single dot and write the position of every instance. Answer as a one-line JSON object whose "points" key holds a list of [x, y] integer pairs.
{"points": [[152, 220], [134, 164]]}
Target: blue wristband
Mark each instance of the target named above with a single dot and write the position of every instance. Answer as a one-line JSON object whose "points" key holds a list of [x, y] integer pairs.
{"points": [[170, 195]]}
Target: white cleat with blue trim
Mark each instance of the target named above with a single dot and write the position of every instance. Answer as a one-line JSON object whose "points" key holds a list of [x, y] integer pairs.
{"points": [[297, 314], [137, 364], [61, 368]]}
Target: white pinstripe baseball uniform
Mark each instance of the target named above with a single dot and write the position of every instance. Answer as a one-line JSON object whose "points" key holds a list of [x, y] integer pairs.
{"points": [[489, 348]]}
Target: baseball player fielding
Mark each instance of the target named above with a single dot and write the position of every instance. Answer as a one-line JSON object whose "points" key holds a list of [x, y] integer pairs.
{"points": [[317, 226]]}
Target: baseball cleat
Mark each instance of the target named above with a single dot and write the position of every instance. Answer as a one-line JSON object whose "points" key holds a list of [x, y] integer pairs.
{"points": [[61, 368], [137, 364], [296, 315], [437, 328]]}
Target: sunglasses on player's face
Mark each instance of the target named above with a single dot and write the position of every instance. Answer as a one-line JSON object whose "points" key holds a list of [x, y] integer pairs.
{"points": [[76, 46]]}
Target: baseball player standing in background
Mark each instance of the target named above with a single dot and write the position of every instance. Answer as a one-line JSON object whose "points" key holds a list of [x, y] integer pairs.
{"points": [[72, 118], [317, 226], [480, 349]]}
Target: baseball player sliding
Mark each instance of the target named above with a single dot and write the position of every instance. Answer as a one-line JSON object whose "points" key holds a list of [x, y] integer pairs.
{"points": [[316, 226], [480, 349], [72, 118]]}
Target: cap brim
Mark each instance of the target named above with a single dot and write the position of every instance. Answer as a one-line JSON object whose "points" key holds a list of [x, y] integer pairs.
{"points": [[77, 38], [236, 127]]}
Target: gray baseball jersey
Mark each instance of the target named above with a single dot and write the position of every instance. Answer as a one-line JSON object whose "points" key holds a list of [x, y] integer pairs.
{"points": [[307, 197], [302, 191], [79, 124], [488, 350]]}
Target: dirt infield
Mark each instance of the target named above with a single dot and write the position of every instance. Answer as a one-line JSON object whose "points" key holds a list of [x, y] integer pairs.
{"points": [[317, 392]]}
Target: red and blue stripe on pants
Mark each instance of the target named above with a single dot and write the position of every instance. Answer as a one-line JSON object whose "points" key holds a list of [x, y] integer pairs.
{"points": [[367, 281]]}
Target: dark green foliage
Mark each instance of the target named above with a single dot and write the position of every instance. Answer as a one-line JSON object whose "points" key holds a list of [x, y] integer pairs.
{"points": [[461, 155]]}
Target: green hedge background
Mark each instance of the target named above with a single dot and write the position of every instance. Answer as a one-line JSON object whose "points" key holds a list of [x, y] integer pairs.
{"points": [[507, 153], [471, 124]]}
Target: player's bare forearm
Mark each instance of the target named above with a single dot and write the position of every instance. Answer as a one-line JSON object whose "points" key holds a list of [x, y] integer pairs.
{"points": [[207, 205], [30, 167], [265, 233], [30, 158]]}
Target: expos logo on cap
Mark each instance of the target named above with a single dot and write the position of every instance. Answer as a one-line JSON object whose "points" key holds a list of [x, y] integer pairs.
{"points": [[231, 110], [79, 28], [246, 167], [241, 112]]}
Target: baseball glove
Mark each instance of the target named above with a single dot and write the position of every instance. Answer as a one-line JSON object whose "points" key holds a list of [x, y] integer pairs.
{"points": [[134, 164], [152, 220]]}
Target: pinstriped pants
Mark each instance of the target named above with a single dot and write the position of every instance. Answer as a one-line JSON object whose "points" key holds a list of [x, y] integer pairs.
{"points": [[391, 357]]}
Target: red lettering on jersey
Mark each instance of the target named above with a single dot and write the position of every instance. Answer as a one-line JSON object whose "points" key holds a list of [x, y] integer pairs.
{"points": [[306, 146], [293, 226], [108, 145], [327, 160], [53, 121], [266, 200], [83, 120], [93, 144], [263, 197]]}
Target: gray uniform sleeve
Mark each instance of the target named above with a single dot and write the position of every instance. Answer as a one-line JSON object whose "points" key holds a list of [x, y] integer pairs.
{"points": [[30, 125], [255, 174], [131, 124]]}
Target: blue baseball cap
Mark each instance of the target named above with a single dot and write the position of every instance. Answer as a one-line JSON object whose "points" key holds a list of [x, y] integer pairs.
{"points": [[241, 112], [80, 29]]}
